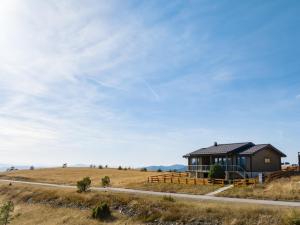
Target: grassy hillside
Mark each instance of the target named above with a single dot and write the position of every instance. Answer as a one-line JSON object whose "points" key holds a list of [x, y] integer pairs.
{"points": [[119, 178], [282, 189], [59, 206]]}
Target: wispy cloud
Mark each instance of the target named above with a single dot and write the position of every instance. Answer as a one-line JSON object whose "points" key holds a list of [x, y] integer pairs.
{"points": [[88, 81]]}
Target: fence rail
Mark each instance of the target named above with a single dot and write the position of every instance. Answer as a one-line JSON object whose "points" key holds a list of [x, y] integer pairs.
{"points": [[281, 174], [180, 179], [245, 182]]}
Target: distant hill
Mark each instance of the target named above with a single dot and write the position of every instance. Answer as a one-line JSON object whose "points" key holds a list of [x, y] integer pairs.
{"points": [[4, 167], [177, 167]]}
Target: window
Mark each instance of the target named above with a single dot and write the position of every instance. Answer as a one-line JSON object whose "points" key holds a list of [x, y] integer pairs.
{"points": [[267, 160], [194, 161]]}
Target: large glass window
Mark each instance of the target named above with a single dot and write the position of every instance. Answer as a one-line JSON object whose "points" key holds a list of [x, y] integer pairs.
{"points": [[242, 161], [194, 161]]}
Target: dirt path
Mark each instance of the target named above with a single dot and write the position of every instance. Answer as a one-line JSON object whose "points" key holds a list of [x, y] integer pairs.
{"points": [[219, 190], [175, 195]]}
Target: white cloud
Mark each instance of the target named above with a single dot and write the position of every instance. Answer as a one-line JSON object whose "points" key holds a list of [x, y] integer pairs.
{"points": [[57, 61]]}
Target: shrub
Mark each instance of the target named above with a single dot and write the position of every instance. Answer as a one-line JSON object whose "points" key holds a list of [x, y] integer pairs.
{"points": [[216, 171], [65, 165], [5, 212], [105, 181], [144, 169], [100, 167], [84, 184], [31, 168], [159, 170], [102, 211], [120, 168], [106, 166], [168, 198]]}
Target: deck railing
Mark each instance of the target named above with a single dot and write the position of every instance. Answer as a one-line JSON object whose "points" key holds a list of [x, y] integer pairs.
{"points": [[206, 168]]}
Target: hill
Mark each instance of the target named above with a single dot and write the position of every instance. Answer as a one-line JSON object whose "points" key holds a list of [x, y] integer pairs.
{"points": [[176, 167]]}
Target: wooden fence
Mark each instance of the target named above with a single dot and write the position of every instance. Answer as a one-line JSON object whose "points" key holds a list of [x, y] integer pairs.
{"points": [[245, 182], [176, 178], [292, 168], [282, 174]]}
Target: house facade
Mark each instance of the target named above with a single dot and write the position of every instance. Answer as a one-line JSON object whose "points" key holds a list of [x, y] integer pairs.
{"points": [[239, 160]]}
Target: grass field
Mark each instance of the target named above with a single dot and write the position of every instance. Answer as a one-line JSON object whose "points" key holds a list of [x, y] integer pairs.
{"points": [[174, 188], [119, 178], [41, 205], [29, 214], [282, 189]]}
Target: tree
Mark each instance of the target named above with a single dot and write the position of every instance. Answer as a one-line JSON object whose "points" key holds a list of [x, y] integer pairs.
{"points": [[216, 172], [102, 211], [31, 168], [105, 181], [84, 184], [120, 168], [100, 167], [144, 169], [64, 165], [5, 213]]}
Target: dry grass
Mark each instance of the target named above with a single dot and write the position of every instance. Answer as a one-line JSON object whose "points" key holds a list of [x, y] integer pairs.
{"points": [[28, 214], [119, 178], [175, 188], [58, 206], [282, 189]]}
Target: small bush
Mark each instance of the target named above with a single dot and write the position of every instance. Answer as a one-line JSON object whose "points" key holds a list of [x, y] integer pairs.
{"points": [[31, 168], [100, 167], [168, 198], [5, 213], [105, 181], [159, 170], [216, 171], [84, 184], [101, 211], [144, 169], [106, 166], [120, 168]]}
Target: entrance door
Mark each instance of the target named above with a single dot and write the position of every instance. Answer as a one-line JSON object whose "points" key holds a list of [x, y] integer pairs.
{"points": [[242, 161]]}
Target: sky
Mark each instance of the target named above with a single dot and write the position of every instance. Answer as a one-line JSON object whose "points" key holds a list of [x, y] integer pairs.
{"points": [[138, 83]]}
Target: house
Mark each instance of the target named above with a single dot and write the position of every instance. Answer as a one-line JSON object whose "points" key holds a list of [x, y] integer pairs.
{"points": [[239, 160]]}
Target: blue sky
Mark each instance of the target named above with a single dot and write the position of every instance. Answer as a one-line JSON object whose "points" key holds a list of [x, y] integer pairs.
{"points": [[136, 83]]}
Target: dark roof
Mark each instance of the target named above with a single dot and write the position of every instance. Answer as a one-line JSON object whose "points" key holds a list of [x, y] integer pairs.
{"points": [[254, 149], [221, 149], [245, 148]]}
